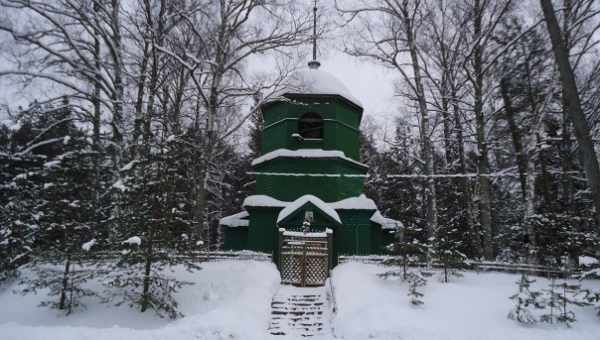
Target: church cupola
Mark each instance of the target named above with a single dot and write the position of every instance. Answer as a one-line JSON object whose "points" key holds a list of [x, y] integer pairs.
{"points": [[315, 111]]}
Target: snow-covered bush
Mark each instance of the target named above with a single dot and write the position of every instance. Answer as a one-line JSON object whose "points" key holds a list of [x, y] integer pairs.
{"points": [[415, 281], [158, 288], [65, 282], [524, 300], [560, 297], [593, 298]]}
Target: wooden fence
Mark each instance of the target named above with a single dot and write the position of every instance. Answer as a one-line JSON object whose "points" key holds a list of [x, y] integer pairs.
{"points": [[479, 266], [195, 256]]}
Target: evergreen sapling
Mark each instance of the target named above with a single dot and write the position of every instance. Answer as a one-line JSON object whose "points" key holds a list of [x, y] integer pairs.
{"points": [[523, 301], [415, 281], [561, 297]]}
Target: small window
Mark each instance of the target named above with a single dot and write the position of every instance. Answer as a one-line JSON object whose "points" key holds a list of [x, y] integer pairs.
{"points": [[310, 126]]}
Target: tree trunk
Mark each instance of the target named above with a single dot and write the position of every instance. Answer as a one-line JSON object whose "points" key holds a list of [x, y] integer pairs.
{"points": [[97, 115], [573, 104], [446, 124], [139, 103], [483, 162], [431, 199], [148, 257], [62, 304], [515, 134], [117, 98]]}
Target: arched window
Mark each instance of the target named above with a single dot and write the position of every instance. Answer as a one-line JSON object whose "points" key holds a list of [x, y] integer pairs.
{"points": [[310, 126]]}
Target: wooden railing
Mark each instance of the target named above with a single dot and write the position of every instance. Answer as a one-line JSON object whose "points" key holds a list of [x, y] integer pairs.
{"points": [[194, 256], [479, 266]]}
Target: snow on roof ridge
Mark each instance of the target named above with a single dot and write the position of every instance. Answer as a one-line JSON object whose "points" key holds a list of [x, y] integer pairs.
{"points": [[235, 220], [317, 81], [293, 206], [304, 153], [302, 234], [361, 202], [385, 222]]}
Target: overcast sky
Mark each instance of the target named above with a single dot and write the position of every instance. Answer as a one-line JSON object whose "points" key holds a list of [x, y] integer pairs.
{"points": [[370, 83]]}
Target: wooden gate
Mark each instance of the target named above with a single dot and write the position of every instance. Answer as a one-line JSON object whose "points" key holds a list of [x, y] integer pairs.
{"points": [[304, 258]]}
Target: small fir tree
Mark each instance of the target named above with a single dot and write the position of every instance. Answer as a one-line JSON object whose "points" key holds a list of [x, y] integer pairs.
{"points": [[20, 198], [524, 300], [67, 215], [407, 246], [152, 230], [446, 245], [551, 303], [560, 298], [415, 281]]}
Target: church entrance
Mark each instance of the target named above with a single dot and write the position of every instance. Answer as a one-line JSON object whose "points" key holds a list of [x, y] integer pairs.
{"points": [[305, 257]]}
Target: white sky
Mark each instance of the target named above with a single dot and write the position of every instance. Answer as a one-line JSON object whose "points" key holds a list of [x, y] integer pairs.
{"points": [[373, 85], [370, 83]]}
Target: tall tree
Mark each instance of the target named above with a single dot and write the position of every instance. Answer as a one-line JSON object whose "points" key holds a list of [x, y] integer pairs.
{"points": [[386, 43], [573, 104]]}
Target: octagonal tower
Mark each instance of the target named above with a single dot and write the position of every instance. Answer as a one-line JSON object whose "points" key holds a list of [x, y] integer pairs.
{"points": [[310, 169]]}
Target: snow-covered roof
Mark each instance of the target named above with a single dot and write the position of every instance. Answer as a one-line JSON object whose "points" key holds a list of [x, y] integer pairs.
{"points": [[317, 202], [235, 220], [263, 201], [386, 223], [361, 202], [317, 81], [304, 153], [302, 234]]}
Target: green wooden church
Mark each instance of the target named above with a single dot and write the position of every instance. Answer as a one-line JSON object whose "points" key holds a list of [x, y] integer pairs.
{"points": [[309, 170]]}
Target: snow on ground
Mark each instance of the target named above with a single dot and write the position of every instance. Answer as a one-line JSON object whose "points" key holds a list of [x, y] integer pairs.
{"points": [[473, 307], [230, 300]]}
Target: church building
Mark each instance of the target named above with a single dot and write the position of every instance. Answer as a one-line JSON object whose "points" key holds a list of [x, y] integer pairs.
{"points": [[309, 171]]}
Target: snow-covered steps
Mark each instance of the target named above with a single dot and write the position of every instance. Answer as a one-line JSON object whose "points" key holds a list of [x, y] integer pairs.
{"points": [[300, 311]]}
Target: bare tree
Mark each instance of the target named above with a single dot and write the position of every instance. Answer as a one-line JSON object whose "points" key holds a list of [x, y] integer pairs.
{"points": [[224, 35], [389, 33], [63, 45]]}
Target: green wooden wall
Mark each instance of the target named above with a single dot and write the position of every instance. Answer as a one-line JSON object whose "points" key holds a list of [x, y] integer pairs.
{"points": [[340, 128], [357, 235]]}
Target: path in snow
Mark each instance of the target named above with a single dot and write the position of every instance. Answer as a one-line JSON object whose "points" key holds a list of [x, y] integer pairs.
{"points": [[298, 311]]}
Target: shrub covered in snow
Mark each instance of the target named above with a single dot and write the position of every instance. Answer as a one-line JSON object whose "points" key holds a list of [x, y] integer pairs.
{"points": [[559, 297], [415, 281], [524, 300]]}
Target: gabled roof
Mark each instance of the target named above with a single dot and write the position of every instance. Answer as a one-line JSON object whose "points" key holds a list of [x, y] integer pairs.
{"points": [[302, 201]]}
